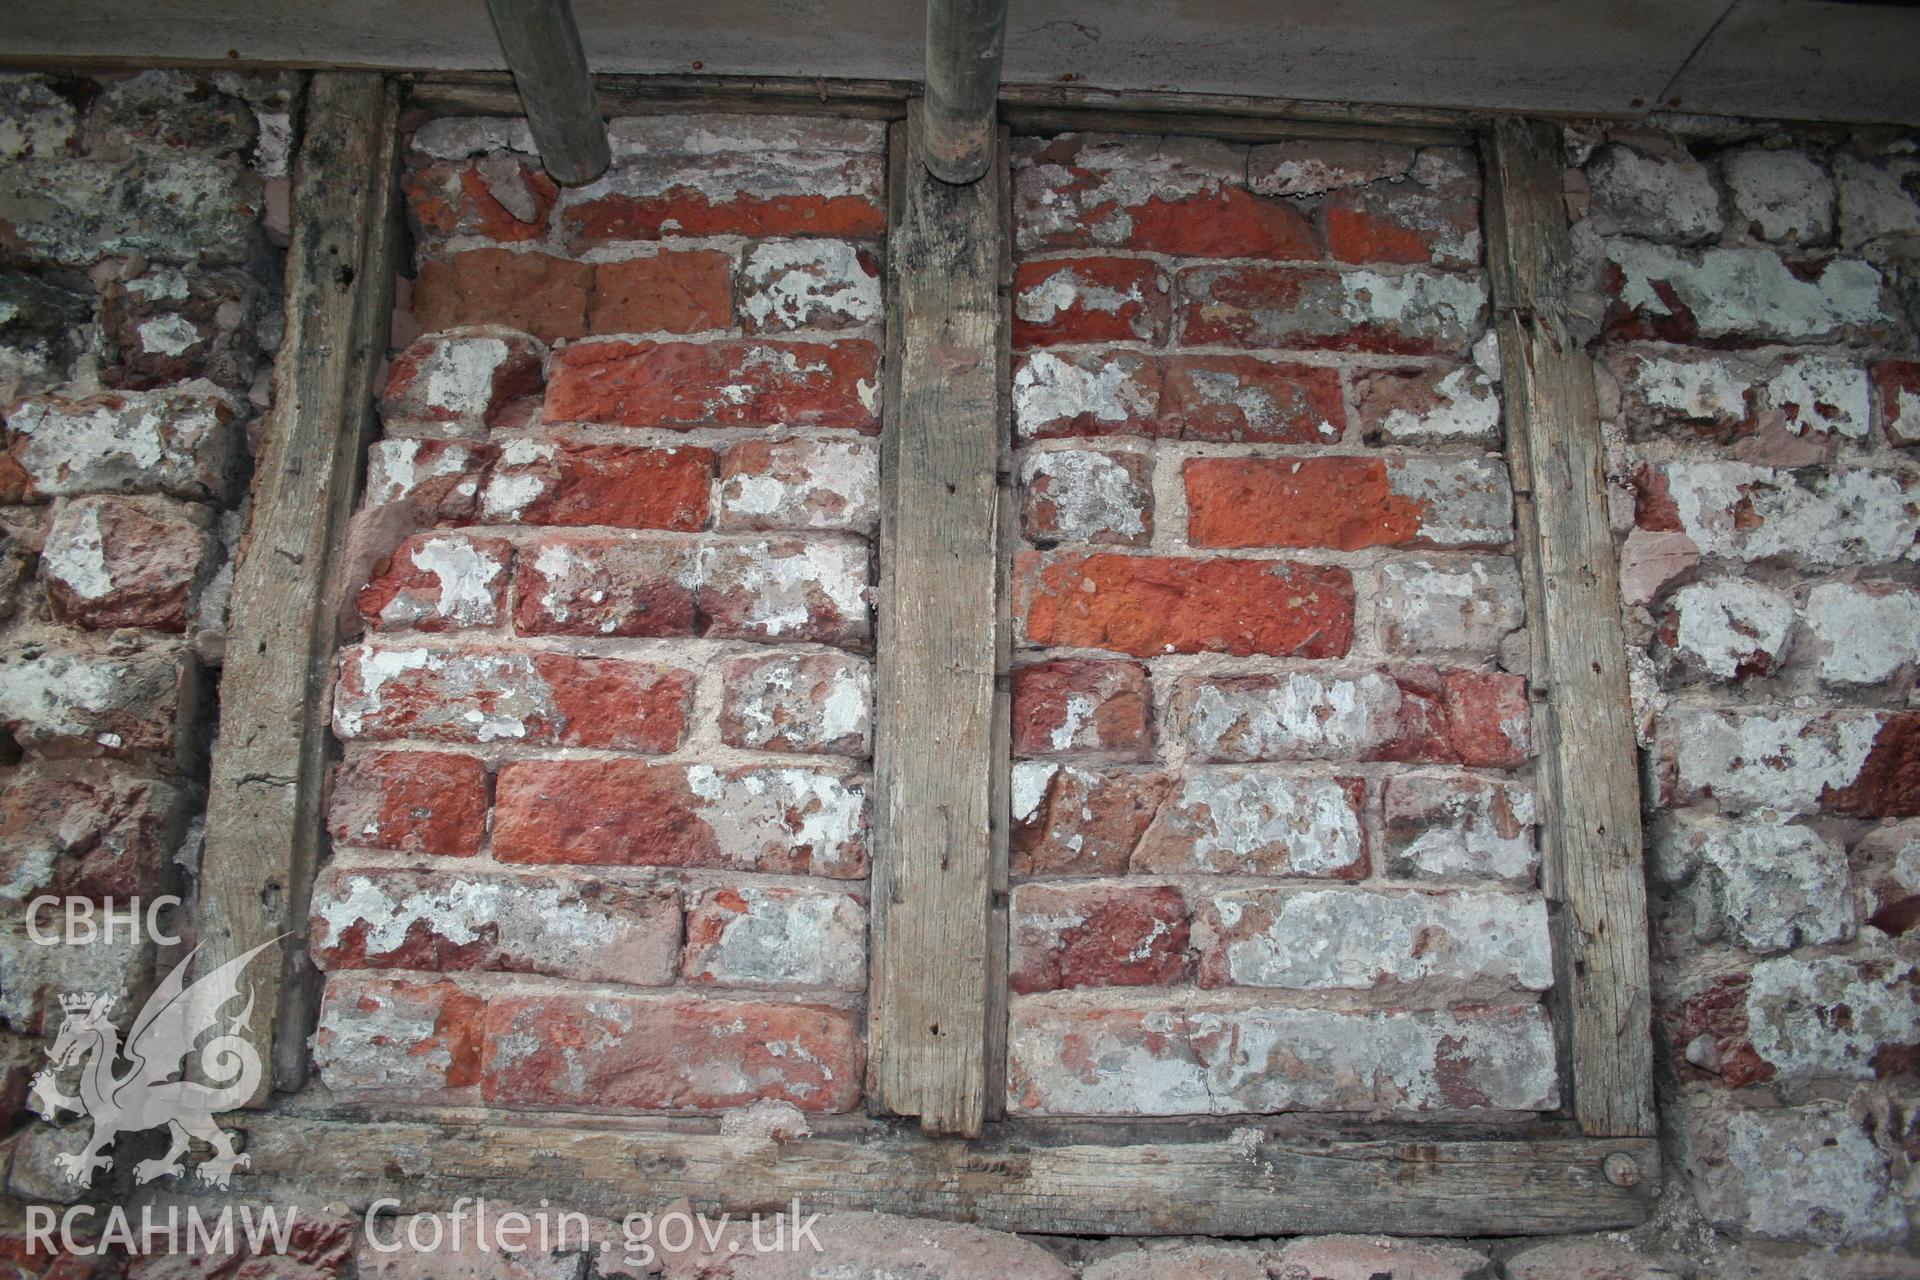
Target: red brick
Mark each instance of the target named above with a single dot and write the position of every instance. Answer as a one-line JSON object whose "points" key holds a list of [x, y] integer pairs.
{"points": [[1311, 168], [630, 813], [783, 590], [536, 483], [438, 479], [1347, 503], [179, 441], [466, 374], [809, 284], [1074, 821], [87, 830], [1411, 312], [660, 1053], [377, 1032], [439, 921], [1090, 300], [799, 483], [769, 937], [1427, 406], [487, 695], [204, 315], [127, 562], [1082, 704], [724, 384], [1433, 216], [1416, 715], [1706, 1024], [1087, 393], [410, 802], [535, 293], [459, 199], [681, 197], [1242, 398], [1068, 1055], [1888, 784], [1462, 944], [1087, 495], [1728, 296], [126, 703], [601, 587], [1257, 822], [1066, 936], [1079, 192], [438, 582], [798, 702], [1149, 605], [1898, 384], [667, 293]]}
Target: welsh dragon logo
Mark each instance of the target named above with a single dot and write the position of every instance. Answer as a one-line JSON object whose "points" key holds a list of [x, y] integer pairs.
{"points": [[145, 1096]]}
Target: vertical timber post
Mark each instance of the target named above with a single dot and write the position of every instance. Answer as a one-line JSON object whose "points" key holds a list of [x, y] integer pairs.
{"points": [[937, 654], [264, 797], [1589, 780]]}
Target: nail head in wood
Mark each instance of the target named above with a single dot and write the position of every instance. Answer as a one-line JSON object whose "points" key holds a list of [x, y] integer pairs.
{"points": [[1621, 1169]]}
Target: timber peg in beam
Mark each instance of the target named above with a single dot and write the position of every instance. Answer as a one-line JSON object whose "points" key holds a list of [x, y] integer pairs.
{"points": [[542, 46], [964, 43]]}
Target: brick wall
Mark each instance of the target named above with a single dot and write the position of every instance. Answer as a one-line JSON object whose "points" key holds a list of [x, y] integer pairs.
{"points": [[1274, 840], [600, 826], [1753, 305], [139, 309]]}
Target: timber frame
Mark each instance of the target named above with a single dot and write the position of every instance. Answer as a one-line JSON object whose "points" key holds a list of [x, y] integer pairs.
{"points": [[1594, 1166]]}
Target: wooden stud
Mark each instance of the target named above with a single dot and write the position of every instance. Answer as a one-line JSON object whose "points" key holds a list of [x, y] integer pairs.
{"points": [[542, 45], [264, 799], [1215, 1180], [934, 675], [1589, 780]]}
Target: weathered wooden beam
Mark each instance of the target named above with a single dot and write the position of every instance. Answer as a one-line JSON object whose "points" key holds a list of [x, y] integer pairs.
{"points": [[964, 41], [542, 46], [1223, 1181], [1025, 108], [934, 696], [1589, 781], [268, 774]]}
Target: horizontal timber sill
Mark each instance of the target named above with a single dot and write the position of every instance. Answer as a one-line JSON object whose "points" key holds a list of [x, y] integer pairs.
{"points": [[1056, 1177], [1025, 108]]}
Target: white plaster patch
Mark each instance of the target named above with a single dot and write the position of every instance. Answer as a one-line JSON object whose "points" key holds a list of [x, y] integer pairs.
{"points": [[798, 283], [1777, 760], [1700, 390], [1827, 518], [75, 555], [1049, 388], [1868, 636], [1093, 496], [1818, 393], [1748, 292], [1728, 625], [171, 334], [1358, 940]]}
